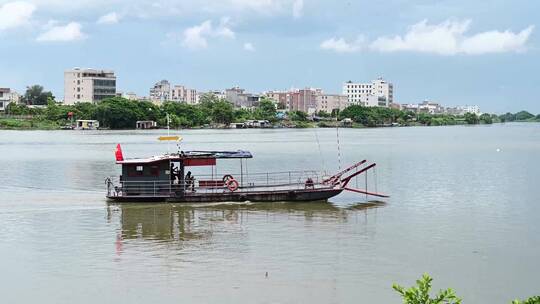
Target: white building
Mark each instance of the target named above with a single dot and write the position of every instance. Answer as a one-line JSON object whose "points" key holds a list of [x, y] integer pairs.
{"points": [[378, 93], [217, 93], [130, 96], [7, 96], [330, 102], [469, 109], [88, 85]]}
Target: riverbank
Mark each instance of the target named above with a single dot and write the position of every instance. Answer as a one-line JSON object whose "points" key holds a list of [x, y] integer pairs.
{"points": [[39, 124], [120, 113]]}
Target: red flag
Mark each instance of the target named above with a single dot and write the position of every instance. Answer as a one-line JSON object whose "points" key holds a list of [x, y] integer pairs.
{"points": [[118, 153]]}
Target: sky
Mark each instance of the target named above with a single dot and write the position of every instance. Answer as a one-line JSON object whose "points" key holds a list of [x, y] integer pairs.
{"points": [[458, 52]]}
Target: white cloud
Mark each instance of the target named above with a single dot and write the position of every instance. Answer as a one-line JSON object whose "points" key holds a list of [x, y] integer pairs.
{"points": [[248, 46], [297, 9], [69, 32], [497, 42], [196, 37], [449, 38], [340, 45], [15, 14], [110, 18]]}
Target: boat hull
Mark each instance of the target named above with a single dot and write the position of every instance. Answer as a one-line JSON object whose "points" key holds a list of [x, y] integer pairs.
{"points": [[253, 196]]}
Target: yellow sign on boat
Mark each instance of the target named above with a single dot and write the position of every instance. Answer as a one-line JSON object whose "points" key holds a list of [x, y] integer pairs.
{"points": [[177, 138]]}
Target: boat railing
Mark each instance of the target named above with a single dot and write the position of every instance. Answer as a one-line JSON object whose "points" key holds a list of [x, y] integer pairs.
{"points": [[271, 181]]}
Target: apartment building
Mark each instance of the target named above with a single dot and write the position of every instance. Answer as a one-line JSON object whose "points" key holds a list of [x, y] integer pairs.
{"points": [[160, 92], [240, 98], [330, 102], [378, 93], [7, 96], [308, 100], [181, 93], [88, 85], [163, 91]]}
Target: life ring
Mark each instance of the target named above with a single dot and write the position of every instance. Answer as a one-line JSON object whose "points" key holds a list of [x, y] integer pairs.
{"points": [[227, 177], [232, 184]]}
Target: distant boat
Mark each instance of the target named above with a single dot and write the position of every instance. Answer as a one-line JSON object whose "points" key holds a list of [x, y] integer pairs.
{"points": [[165, 178]]}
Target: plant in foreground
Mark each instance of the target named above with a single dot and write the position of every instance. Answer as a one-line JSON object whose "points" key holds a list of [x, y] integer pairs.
{"points": [[531, 300], [419, 294]]}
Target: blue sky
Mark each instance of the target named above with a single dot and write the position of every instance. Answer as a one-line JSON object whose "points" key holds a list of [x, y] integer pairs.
{"points": [[455, 52]]}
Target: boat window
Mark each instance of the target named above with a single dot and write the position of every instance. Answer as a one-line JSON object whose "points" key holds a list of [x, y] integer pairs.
{"points": [[139, 168]]}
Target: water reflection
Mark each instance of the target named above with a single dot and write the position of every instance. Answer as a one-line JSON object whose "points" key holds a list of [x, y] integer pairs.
{"points": [[185, 222]]}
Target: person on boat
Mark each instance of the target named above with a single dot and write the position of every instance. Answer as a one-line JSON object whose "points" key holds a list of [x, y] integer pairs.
{"points": [[190, 181], [309, 184], [174, 174]]}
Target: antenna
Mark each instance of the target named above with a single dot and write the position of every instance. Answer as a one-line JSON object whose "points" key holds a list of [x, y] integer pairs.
{"points": [[338, 147], [168, 132]]}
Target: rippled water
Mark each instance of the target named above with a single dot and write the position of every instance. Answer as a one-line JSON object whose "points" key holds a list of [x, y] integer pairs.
{"points": [[464, 208]]}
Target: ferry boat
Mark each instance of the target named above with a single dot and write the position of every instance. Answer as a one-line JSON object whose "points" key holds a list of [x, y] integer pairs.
{"points": [[167, 178]]}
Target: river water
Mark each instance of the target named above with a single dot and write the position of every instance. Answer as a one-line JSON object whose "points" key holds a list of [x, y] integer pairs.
{"points": [[464, 208]]}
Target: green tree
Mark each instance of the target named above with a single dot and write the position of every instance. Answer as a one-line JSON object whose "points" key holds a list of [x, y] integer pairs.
{"points": [[508, 117], [36, 95], [118, 113], [424, 118], [419, 294], [523, 115], [189, 115], [22, 109], [241, 115], [471, 118], [222, 112], [324, 114], [298, 116], [266, 110], [486, 119]]}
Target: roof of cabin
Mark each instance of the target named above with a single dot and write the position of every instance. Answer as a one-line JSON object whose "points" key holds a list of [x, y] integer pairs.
{"points": [[189, 155]]}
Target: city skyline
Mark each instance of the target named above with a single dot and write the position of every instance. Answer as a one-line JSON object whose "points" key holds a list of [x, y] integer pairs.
{"points": [[453, 52]]}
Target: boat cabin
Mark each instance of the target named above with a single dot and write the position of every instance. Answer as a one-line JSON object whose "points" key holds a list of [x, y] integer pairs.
{"points": [[170, 174]]}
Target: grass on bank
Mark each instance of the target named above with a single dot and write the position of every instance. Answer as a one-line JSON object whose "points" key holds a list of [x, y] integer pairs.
{"points": [[27, 124]]}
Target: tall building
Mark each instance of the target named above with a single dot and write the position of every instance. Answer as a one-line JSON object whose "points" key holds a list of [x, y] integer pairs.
{"points": [[7, 96], [160, 92], [240, 99], [163, 91], [88, 85], [308, 100], [378, 93], [330, 102], [182, 94]]}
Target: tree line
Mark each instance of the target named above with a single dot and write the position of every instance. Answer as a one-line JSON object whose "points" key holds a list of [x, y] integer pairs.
{"points": [[121, 113]]}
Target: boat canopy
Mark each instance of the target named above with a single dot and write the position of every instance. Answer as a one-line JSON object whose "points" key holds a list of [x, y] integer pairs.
{"points": [[186, 155]]}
